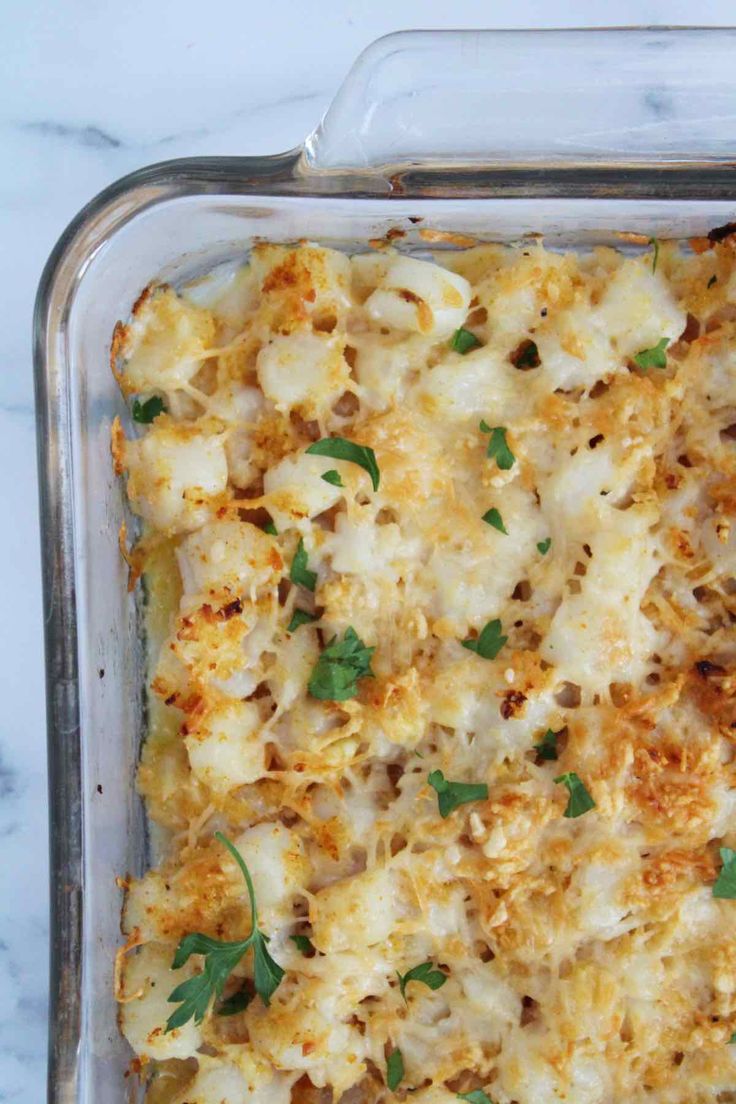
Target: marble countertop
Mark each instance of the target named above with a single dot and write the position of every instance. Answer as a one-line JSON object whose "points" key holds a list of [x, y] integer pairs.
{"points": [[89, 92]]}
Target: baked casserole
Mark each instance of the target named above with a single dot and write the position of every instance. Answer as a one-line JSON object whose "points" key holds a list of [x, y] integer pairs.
{"points": [[439, 573]]}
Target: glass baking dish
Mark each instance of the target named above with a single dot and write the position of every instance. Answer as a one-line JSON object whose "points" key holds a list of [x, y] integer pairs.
{"points": [[578, 135]]}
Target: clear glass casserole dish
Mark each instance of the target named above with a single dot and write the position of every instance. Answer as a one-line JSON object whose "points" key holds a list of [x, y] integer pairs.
{"points": [[578, 135]]}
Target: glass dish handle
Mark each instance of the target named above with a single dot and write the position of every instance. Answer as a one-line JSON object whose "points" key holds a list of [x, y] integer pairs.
{"points": [[585, 97]]}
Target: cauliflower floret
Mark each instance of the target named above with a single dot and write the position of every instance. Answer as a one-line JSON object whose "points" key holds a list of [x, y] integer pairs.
{"points": [[600, 634], [638, 309], [278, 865], [359, 911], [420, 296], [296, 490], [225, 559], [174, 473], [233, 1082], [303, 369], [303, 1030], [226, 749], [162, 347], [306, 283], [480, 384], [148, 980]]}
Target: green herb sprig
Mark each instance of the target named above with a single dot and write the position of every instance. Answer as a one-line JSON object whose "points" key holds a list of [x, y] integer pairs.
{"points": [[450, 795], [300, 617], [498, 448], [394, 1069], [336, 672], [300, 573], [195, 995], [145, 412], [579, 800], [338, 448], [493, 517], [547, 746], [463, 341], [489, 641], [656, 357], [725, 883], [427, 973]]}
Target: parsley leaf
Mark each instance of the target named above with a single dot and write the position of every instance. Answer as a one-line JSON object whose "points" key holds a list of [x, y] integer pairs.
{"points": [[497, 446], [238, 1002], [145, 412], [426, 973], [271, 529], [655, 244], [725, 884], [394, 1069], [299, 572], [733, 1038], [267, 973], [463, 341], [656, 357], [526, 356], [220, 959], [579, 801], [493, 517], [489, 642], [547, 746], [544, 546], [450, 795], [303, 943], [336, 672], [300, 617], [338, 448], [333, 477], [477, 1096]]}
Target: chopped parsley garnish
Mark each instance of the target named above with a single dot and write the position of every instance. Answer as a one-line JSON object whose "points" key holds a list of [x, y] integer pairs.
{"points": [[544, 546], [145, 412], [394, 1069], [333, 477], [303, 943], [463, 341], [338, 448], [498, 449], [238, 1002], [489, 642], [526, 356], [336, 672], [579, 801], [477, 1096], [655, 257], [300, 617], [299, 573], [271, 529], [427, 973], [493, 517], [450, 795], [725, 884], [713, 280], [220, 959], [656, 357], [547, 746], [733, 1038]]}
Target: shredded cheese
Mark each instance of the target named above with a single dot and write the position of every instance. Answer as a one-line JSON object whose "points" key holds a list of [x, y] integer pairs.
{"points": [[585, 956]]}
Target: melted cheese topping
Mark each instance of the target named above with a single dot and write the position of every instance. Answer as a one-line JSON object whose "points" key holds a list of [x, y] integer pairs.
{"points": [[586, 958]]}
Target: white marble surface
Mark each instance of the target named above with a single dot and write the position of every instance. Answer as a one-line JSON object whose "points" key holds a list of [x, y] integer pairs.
{"points": [[89, 90]]}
